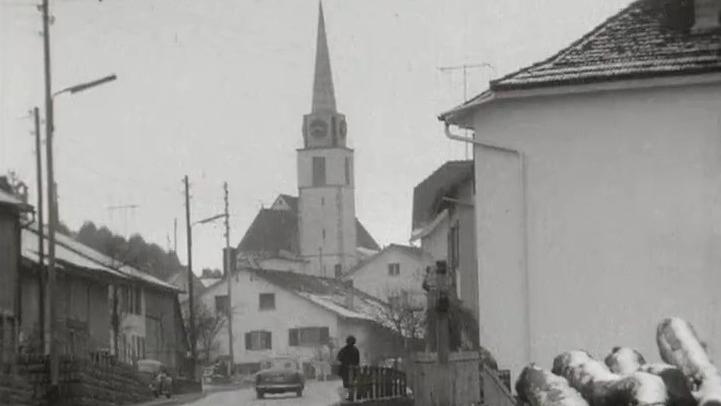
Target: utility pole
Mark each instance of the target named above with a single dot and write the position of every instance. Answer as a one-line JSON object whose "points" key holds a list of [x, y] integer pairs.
{"points": [[41, 231], [465, 67], [52, 196], [191, 310], [175, 236], [229, 276]]}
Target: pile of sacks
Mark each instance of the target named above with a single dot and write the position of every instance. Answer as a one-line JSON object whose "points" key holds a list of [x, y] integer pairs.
{"points": [[687, 378]]}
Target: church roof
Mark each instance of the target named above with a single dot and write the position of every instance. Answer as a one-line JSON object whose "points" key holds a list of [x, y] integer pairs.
{"points": [[443, 181], [274, 230], [323, 92]]}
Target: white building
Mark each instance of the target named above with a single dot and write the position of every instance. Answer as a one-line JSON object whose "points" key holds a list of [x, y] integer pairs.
{"points": [[598, 176], [394, 275], [280, 313]]}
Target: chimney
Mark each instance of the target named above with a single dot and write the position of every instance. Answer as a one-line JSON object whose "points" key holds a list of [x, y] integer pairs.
{"points": [[707, 15], [678, 14], [5, 185]]}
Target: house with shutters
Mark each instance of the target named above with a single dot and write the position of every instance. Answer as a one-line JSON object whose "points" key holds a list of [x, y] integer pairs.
{"points": [[315, 232], [285, 313], [444, 225], [598, 174], [103, 306]]}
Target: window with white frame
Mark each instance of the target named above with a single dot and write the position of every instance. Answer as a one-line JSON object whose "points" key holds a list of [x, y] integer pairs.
{"points": [[258, 340], [394, 269]]}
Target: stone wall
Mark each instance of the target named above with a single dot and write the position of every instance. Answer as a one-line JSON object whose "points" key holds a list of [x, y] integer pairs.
{"points": [[15, 390], [83, 382]]}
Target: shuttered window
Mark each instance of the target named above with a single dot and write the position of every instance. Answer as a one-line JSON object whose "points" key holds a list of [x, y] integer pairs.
{"points": [[258, 340], [308, 336]]}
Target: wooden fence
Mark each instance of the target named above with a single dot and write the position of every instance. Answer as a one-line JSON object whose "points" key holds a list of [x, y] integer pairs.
{"points": [[497, 387], [456, 382], [375, 383]]}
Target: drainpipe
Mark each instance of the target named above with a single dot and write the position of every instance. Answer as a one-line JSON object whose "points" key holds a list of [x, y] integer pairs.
{"points": [[524, 219]]}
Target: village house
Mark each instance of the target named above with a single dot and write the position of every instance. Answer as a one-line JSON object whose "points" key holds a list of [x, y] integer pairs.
{"points": [[395, 275], [597, 176], [103, 305], [11, 209], [444, 222], [281, 313]]}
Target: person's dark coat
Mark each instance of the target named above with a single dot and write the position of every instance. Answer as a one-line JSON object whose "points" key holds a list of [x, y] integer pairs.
{"points": [[348, 356]]}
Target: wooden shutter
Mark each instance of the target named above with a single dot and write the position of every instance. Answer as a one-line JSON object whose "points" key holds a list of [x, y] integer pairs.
{"points": [[267, 337], [248, 345], [293, 337], [324, 335]]}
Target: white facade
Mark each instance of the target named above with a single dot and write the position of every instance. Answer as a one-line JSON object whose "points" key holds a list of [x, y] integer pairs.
{"points": [[290, 311], [606, 221], [326, 210], [393, 273]]}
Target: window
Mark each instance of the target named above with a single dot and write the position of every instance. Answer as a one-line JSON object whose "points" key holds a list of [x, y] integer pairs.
{"points": [[338, 270], [267, 301], [132, 300], [308, 336], [221, 304], [453, 246], [258, 340], [318, 171], [394, 269], [324, 234], [347, 171]]}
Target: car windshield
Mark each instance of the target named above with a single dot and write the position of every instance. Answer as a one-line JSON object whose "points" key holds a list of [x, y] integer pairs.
{"points": [[280, 363]]}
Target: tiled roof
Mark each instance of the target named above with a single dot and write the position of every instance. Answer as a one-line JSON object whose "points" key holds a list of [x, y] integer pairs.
{"points": [[408, 249], [640, 41], [328, 293], [273, 231], [442, 182], [78, 254]]}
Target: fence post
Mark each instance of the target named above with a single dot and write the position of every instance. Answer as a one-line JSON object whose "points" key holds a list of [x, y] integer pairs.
{"points": [[374, 382], [351, 383]]}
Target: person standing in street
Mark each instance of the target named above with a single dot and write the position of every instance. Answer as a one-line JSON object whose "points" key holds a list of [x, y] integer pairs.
{"points": [[348, 357]]}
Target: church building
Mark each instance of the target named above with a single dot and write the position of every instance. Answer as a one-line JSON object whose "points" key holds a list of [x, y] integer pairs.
{"points": [[317, 232]]}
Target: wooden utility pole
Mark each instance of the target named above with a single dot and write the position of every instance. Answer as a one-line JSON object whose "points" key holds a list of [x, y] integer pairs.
{"points": [[52, 206], [175, 235], [41, 231], [191, 310], [229, 275]]}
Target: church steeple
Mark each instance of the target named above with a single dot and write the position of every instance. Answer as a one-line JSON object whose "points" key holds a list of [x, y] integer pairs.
{"points": [[323, 93], [324, 127]]}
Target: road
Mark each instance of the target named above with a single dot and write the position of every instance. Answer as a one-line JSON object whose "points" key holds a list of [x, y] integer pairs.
{"points": [[315, 394]]}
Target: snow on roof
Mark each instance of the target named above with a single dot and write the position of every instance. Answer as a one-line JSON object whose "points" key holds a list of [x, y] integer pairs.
{"points": [[11, 200], [331, 294]]}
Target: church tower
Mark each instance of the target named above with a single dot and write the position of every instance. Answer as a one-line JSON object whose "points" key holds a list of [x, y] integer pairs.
{"points": [[326, 206]]}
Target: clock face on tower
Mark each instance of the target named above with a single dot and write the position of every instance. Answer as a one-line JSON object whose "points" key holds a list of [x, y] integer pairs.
{"points": [[318, 128]]}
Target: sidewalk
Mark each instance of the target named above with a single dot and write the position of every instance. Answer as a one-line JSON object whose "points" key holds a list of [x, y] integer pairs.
{"points": [[175, 400]]}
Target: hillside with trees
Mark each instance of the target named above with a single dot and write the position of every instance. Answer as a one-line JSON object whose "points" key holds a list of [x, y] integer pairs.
{"points": [[135, 251]]}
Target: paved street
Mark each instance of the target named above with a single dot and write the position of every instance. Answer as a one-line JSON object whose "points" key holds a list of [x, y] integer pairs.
{"points": [[315, 394]]}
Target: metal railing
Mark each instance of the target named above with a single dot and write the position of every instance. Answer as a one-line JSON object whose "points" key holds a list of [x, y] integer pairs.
{"points": [[370, 383]]}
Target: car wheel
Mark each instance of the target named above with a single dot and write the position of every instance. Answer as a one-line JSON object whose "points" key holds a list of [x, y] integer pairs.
{"points": [[260, 394], [299, 393], [167, 395]]}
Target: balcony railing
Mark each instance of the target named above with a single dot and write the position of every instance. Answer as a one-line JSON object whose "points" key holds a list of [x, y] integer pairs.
{"points": [[371, 383]]}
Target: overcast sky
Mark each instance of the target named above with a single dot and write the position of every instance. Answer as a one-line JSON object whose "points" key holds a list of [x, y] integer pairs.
{"points": [[216, 89]]}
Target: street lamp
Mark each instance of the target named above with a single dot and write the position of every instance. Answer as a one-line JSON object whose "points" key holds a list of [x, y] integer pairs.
{"points": [[53, 214], [228, 272]]}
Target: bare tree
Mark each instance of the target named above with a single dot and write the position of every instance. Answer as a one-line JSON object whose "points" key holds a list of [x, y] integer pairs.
{"points": [[406, 315], [208, 325]]}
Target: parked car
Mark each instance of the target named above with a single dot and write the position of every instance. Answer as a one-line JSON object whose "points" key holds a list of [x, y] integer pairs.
{"points": [[155, 375], [279, 375]]}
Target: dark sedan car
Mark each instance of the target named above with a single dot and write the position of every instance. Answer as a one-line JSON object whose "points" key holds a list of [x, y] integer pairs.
{"points": [[279, 375]]}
